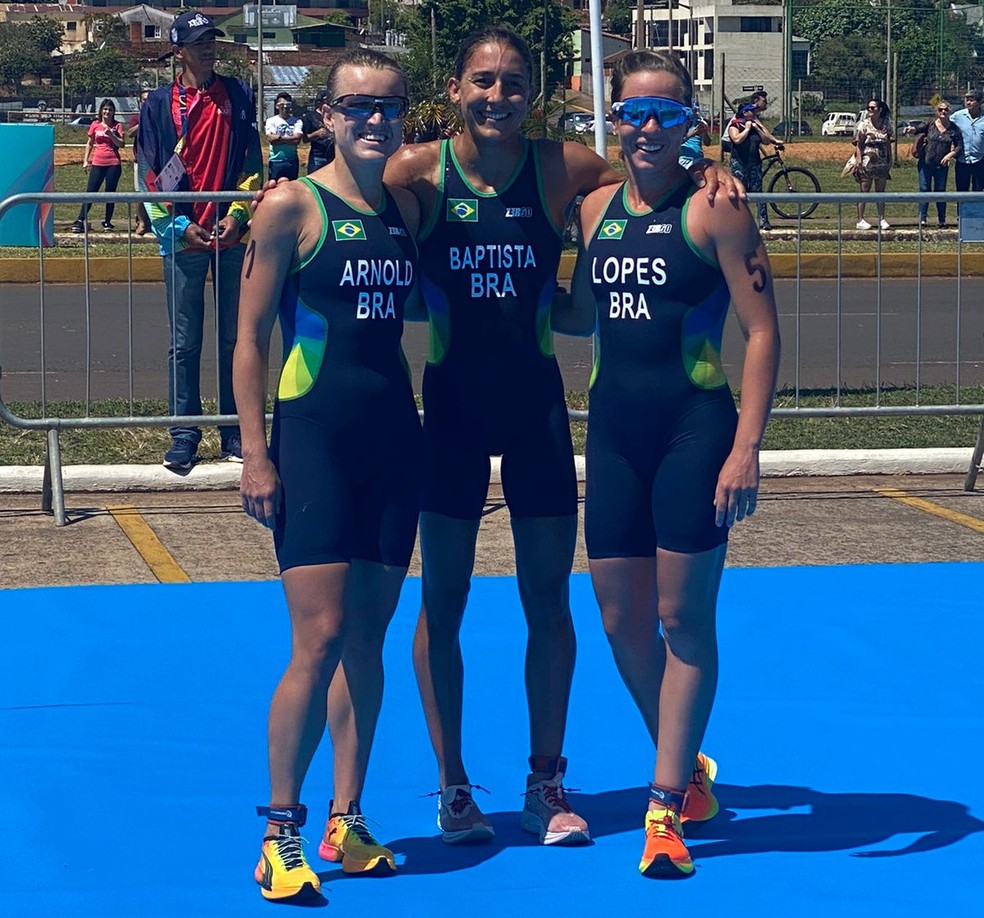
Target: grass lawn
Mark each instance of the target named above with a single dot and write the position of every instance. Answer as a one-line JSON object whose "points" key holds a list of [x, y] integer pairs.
{"points": [[147, 445]]}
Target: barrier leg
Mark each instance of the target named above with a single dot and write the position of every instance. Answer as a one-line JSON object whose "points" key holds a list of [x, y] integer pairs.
{"points": [[53, 488], [975, 462]]}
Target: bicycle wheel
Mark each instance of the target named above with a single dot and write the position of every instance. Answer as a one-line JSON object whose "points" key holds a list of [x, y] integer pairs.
{"points": [[793, 179]]}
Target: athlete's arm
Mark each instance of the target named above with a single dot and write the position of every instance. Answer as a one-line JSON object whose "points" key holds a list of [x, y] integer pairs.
{"points": [[415, 166], [575, 313], [271, 252], [415, 310], [729, 236]]}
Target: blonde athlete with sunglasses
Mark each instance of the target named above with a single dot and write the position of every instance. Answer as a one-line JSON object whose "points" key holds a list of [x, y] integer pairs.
{"points": [[493, 206], [334, 254], [670, 467]]}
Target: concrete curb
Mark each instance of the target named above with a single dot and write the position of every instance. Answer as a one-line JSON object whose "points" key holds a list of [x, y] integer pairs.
{"points": [[218, 476]]}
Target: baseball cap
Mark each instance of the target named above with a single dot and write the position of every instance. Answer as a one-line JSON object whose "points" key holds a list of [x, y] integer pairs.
{"points": [[191, 27]]}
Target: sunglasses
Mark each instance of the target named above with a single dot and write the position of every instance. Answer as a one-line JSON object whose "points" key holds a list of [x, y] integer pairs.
{"points": [[942, 109], [357, 106], [667, 112]]}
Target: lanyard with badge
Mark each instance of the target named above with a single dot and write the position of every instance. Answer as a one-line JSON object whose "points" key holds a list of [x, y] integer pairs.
{"points": [[169, 178]]}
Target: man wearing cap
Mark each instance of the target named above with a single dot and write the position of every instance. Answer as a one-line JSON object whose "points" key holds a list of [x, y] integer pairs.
{"points": [[285, 133], [318, 133], [199, 134]]}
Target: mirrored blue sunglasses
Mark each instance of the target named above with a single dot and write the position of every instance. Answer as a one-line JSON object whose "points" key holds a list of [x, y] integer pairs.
{"points": [[667, 112], [358, 106]]}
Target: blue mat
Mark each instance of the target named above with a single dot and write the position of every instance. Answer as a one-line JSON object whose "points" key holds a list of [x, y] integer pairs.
{"points": [[848, 730]]}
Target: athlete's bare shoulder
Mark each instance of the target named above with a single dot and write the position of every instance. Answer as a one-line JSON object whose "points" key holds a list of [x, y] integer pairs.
{"points": [[574, 169], [413, 164], [409, 206]]}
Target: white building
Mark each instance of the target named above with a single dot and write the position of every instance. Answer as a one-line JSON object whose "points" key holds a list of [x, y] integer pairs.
{"points": [[741, 44]]}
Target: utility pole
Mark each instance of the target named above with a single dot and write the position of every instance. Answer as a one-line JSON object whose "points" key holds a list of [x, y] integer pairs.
{"points": [[260, 120], [640, 32]]}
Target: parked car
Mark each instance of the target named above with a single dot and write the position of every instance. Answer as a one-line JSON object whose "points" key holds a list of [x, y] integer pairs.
{"points": [[609, 127], [838, 124], [796, 129], [575, 122], [82, 121], [909, 123]]}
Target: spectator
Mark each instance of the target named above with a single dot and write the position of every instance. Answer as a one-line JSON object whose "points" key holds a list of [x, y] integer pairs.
{"points": [[199, 134], [873, 139], [101, 160], [285, 132], [318, 132], [970, 164], [942, 143], [139, 169], [747, 134]]}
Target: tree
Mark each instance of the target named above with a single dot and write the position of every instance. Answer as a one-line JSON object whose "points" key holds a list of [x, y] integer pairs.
{"points": [[618, 15], [20, 54], [44, 34], [234, 65], [108, 72], [454, 20]]}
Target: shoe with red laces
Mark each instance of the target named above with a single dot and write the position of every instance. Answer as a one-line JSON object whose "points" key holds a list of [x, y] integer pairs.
{"points": [[547, 813], [700, 804], [665, 856], [458, 817]]}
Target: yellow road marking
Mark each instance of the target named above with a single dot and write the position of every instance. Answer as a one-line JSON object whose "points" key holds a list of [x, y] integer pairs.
{"points": [[962, 519], [148, 546]]}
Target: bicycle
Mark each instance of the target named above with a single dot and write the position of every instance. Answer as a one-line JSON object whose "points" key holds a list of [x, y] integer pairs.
{"points": [[791, 179]]}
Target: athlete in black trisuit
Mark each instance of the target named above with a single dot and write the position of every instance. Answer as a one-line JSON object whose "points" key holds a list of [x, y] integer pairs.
{"points": [[669, 467], [340, 485], [493, 204]]}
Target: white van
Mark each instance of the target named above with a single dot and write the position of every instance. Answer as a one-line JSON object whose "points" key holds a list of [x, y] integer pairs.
{"points": [[839, 124]]}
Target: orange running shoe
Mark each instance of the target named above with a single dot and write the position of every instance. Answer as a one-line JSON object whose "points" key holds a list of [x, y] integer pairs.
{"points": [[700, 804], [348, 841], [665, 856]]}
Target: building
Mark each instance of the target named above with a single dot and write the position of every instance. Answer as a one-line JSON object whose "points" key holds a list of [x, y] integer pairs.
{"points": [[581, 66], [728, 47]]}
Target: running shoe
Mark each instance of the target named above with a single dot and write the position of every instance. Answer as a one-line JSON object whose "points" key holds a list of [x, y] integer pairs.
{"points": [[181, 456], [547, 813], [282, 872], [458, 817], [863, 225], [665, 856], [700, 804], [347, 840], [884, 224]]}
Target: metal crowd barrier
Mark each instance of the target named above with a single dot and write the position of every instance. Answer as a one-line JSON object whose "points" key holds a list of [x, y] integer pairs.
{"points": [[819, 352]]}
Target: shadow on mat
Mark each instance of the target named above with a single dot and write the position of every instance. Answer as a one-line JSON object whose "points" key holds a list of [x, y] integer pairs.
{"points": [[834, 822]]}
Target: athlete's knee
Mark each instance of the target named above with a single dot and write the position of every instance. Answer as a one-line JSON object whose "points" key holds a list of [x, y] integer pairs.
{"points": [[689, 631], [320, 647]]}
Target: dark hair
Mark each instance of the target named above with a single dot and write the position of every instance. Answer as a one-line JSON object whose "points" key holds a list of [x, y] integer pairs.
{"points": [[360, 57], [652, 61], [494, 35], [883, 110], [285, 96], [759, 94], [105, 103], [974, 94]]}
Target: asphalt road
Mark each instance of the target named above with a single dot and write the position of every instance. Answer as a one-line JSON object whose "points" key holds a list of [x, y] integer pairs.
{"points": [[916, 324]]}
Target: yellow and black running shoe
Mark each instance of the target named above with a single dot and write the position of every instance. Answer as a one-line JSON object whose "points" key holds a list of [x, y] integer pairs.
{"points": [[348, 841], [282, 872]]}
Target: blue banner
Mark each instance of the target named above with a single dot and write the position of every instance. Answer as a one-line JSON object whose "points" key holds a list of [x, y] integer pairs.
{"points": [[29, 166]]}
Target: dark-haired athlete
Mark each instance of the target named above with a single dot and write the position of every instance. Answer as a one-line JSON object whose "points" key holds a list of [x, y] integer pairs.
{"points": [[493, 204]]}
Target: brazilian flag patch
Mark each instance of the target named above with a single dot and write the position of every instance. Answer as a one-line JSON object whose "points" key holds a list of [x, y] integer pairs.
{"points": [[463, 210], [612, 229], [348, 230]]}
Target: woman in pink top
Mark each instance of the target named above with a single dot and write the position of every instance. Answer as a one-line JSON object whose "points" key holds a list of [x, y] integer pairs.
{"points": [[101, 160]]}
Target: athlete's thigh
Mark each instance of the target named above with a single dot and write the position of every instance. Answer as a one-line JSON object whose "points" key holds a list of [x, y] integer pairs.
{"points": [[686, 478], [617, 517], [538, 475], [456, 469], [315, 524], [389, 503]]}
